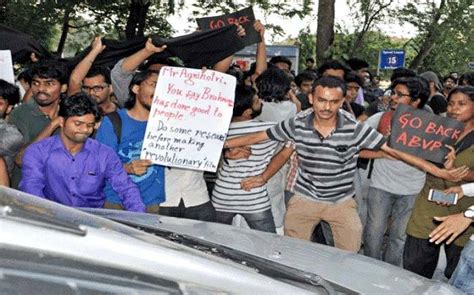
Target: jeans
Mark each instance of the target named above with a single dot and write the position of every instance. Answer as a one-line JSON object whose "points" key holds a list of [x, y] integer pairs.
{"points": [[381, 205], [262, 221], [361, 187], [463, 276], [203, 212]]}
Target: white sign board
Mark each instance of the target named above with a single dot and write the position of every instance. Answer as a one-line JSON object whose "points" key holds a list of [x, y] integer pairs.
{"points": [[189, 118], [6, 66]]}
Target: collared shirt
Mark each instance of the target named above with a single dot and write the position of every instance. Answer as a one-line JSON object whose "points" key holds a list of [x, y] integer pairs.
{"points": [[326, 165], [51, 172]]}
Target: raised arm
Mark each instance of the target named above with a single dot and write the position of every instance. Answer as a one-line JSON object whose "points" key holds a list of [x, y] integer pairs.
{"points": [[132, 62], [83, 67], [261, 58]]}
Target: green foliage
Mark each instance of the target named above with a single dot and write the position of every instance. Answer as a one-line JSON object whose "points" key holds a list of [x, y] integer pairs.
{"points": [[445, 29], [43, 20], [307, 44]]}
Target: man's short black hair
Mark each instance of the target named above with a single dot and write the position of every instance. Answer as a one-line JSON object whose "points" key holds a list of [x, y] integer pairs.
{"points": [[9, 92], [158, 59], [467, 78], [353, 77], [418, 88], [450, 77], [310, 59], [50, 69], [357, 64], [243, 99], [79, 104], [402, 73], [304, 76], [100, 71], [25, 75], [467, 90], [331, 82], [332, 64], [137, 79], [273, 85], [279, 58]]}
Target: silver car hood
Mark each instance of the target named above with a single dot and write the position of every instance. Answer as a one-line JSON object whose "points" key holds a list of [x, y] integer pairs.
{"points": [[355, 272]]}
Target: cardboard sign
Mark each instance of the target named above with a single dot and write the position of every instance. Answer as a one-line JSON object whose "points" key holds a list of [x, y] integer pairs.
{"points": [[189, 118], [423, 134], [244, 17], [6, 66]]}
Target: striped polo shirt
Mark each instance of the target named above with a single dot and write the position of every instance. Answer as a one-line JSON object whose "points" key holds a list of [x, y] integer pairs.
{"points": [[326, 165], [227, 195]]}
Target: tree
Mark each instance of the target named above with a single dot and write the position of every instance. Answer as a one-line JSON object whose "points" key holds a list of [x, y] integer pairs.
{"points": [[325, 30], [366, 14], [432, 20]]}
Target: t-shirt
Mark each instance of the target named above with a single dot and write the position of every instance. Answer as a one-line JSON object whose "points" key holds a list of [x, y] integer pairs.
{"points": [[395, 176], [326, 165], [30, 121], [151, 184], [421, 222], [227, 195]]}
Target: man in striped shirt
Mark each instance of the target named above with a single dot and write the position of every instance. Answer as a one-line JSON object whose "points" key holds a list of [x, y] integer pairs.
{"points": [[228, 197], [328, 141]]}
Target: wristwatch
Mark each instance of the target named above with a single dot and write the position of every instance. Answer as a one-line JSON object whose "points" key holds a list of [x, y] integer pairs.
{"points": [[469, 213]]}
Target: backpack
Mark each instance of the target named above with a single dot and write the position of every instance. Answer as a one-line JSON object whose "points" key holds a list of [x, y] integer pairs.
{"points": [[116, 121]]}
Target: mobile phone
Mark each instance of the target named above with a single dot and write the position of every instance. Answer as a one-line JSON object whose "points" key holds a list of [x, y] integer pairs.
{"points": [[440, 196]]}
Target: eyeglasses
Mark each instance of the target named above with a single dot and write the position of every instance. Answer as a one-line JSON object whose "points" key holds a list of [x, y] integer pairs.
{"points": [[399, 94], [96, 88]]}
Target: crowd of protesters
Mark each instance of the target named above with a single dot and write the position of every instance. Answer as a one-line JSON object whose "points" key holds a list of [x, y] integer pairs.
{"points": [[306, 155]]}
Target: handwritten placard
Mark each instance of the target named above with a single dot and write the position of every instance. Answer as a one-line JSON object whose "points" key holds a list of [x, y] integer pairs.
{"points": [[244, 17], [423, 134], [6, 66], [189, 118]]}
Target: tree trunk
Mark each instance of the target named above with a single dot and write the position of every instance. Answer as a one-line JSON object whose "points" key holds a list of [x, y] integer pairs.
{"points": [[64, 32], [430, 39], [325, 31], [136, 19], [3, 11]]}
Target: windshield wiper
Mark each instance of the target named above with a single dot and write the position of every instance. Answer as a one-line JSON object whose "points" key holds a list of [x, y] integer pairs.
{"points": [[268, 268]]}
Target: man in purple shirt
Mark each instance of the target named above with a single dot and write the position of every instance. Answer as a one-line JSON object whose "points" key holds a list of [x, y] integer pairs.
{"points": [[70, 168]]}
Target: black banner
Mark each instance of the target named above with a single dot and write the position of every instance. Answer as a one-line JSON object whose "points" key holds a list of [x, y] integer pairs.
{"points": [[244, 17]]}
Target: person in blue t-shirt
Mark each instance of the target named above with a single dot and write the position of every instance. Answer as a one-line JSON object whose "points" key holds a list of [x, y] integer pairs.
{"points": [[148, 177]]}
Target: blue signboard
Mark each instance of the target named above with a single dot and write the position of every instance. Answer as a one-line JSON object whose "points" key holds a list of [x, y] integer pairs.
{"points": [[390, 59]]}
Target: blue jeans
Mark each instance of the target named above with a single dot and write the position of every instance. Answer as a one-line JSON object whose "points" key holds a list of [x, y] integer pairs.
{"points": [[463, 276], [262, 221], [381, 205]]}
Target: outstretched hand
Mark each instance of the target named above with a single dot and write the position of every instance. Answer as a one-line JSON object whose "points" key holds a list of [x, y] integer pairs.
{"points": [[451, 227]]}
